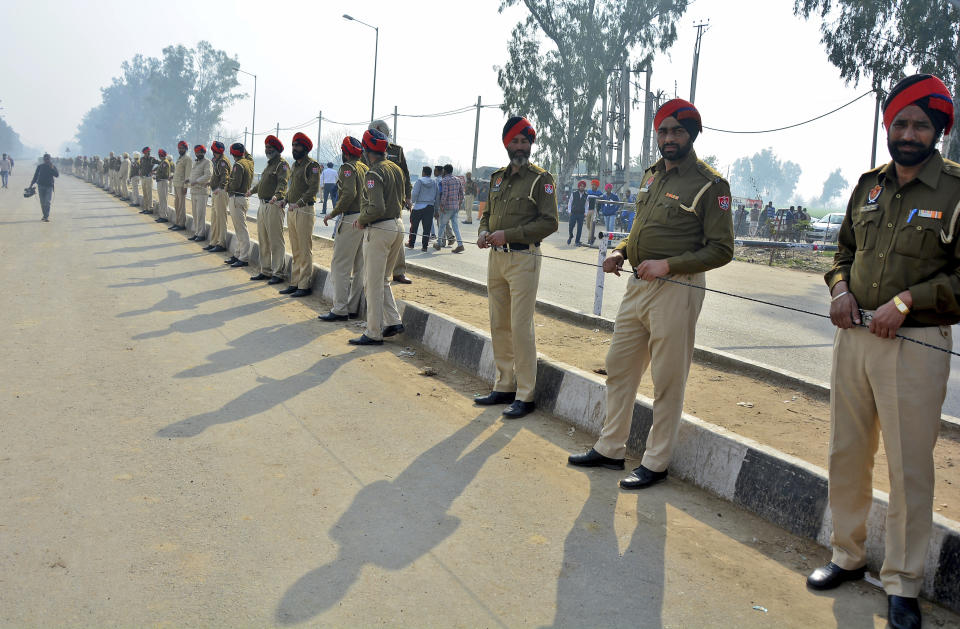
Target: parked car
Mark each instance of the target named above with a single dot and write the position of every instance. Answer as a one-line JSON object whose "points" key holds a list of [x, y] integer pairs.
{"points": [[825, 229]]}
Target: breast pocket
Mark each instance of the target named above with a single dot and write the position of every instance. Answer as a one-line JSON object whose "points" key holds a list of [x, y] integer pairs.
{"points": [[917, 240], [866, 230]]}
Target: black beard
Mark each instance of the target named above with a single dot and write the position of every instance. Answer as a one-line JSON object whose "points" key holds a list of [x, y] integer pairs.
{"points": [[519, 157], [910, 159], [200, 156], [298, 154], [679, 151], [183, 152]]}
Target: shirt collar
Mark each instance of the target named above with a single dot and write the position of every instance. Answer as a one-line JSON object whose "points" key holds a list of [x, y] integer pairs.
{"points": [[686, 163], [929, 174]]}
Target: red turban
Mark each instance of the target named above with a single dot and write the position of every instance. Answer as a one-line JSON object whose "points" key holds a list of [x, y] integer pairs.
{"points": [[303, 140], [199, 148], [182, 144], [162, 153], [925, 91], [217, 148], [275, 142], [237, 149], [516, 126], [351, 146], [375, 141], [685, 113]]}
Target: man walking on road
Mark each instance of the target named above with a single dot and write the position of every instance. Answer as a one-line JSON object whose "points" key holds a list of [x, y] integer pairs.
{"points": [[451, 198], [895, 272], [240, 178], [6, 166], [181, 172], [301, 197], [521, 214], [271, 190], [424, 202], [43, 178], [328, 178], [199, 181], [382, 239], [577, 207], [346, 269], [218, 197], [683, 229]]}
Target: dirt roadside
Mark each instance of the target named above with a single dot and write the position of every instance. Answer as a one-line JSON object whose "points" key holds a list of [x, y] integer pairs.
{"points": [[772, 415]]}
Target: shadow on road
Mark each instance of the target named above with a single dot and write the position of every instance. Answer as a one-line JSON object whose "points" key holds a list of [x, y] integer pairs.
{"points": [[269, 393], [163, 279], [257, 346], [125, 236], [211, 321], [174, 302], [154, 262], [393, 523], [139, 249]]}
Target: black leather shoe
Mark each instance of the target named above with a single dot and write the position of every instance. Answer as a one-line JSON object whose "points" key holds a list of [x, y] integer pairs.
{"points": [[332, 317], [231, 260], [495, 397], [218, 249], [162, 220], [259, 276], [903, 612], [240, 263], [402, 279], [208, 247], [176, 228], [193, 238], [354, 315], [592, 458], [289, 290], [201, 238], [642, 477], [275, 280], [519, 409], [301, 292], [832, 575], [364, 340], [393, 330]]}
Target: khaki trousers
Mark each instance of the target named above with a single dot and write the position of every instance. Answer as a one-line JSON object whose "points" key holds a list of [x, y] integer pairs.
{"points": [[591, 217], [656, 326], [897, 388], [147, 184], [198, 199], [382, 245], [270, 235], [218, 218], [400, 268], [300, 226], [135, 189], [346, 269], [468, 207], [238, 216], [124, 191], [512, 282], [180, 206], [162, 186]]}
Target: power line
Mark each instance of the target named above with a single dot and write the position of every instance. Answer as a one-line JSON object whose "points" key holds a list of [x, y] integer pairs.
{"points": [[799, 124]]}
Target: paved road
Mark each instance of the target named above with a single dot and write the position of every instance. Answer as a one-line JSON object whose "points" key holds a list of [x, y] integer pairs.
{"points": [[184, 448]]}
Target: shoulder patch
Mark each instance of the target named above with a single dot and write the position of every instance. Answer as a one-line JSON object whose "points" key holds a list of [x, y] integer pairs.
{"points": [[371, 184], [347, 173], [548, 188], [315, 170], [283, 166], [724, 203]]}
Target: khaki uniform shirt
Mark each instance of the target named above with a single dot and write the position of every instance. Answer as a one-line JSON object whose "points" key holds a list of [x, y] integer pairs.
{"points": [[304, 182], [163, 170], [273, 180], [125, 168], [896, 238], [147, 162], [181, 171], [523, 205], [241, 176], [221, 173], [135, 167], [683, 217], [395, 155], [200, 172], [383, 195], [350, 186]]}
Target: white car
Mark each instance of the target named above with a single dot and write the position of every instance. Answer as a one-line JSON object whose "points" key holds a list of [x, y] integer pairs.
{"points": [[825, 229]]}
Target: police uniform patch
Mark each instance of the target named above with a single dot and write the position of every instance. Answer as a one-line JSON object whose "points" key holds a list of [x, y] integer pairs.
{"points": [[370, 183], [283, 165], [724, 203], [347, 173], [315, 170], [930, 214], [496, 184], [874, 194], [548, 188], [675, 197], [646, 184]]}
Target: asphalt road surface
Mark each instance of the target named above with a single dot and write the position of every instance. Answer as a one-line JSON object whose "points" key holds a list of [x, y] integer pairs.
{"points": [[182, 447]]}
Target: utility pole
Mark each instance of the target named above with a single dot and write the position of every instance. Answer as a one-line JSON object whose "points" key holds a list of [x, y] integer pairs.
{"points": [[603, 132], [319, 123], [647, 120], [476, 139], [701, 27], [394, 124], [876, 132], [245, 140], [626, 127]]}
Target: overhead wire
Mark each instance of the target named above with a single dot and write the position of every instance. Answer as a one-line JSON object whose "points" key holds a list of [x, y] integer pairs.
{"points": [[793, 126]]}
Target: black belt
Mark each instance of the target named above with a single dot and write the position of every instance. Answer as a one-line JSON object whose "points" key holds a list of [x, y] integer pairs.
{"points": [[235, 194], [382, 220], [516, 246]]}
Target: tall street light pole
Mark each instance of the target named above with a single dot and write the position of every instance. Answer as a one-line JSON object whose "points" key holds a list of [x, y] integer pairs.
{"points": [[253, 125], [376, 46]]}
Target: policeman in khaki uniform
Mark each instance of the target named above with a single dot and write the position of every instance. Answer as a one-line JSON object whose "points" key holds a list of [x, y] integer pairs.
{"points": [[522, 212], [683, 228], [181, 172], [147, 164], [395, 155], [379, 218], [135, 180], [895, 273], [163, 183], [218, 197], [301, 195], [240, 178], [123, 175], [199, 180], [271, 190], [346, 269]]}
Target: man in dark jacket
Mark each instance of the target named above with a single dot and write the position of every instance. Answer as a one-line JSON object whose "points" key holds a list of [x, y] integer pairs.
{"points": [[43, 179]]}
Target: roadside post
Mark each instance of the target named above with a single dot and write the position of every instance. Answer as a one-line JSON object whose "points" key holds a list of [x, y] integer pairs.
{"points": [[605, 239]]}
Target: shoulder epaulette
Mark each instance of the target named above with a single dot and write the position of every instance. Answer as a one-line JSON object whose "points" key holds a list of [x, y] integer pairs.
{"points": [[874, 172], [709, 171], [951, 168]]}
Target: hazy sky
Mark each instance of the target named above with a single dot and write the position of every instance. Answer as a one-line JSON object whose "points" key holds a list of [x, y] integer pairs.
{"points": [[760, 68]]}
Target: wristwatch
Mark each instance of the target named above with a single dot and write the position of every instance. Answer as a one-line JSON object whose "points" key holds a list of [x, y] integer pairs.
{"points": [[902, 307]]}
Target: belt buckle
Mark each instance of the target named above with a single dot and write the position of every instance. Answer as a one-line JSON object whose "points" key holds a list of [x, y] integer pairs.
{"points": [[866, 315]]}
